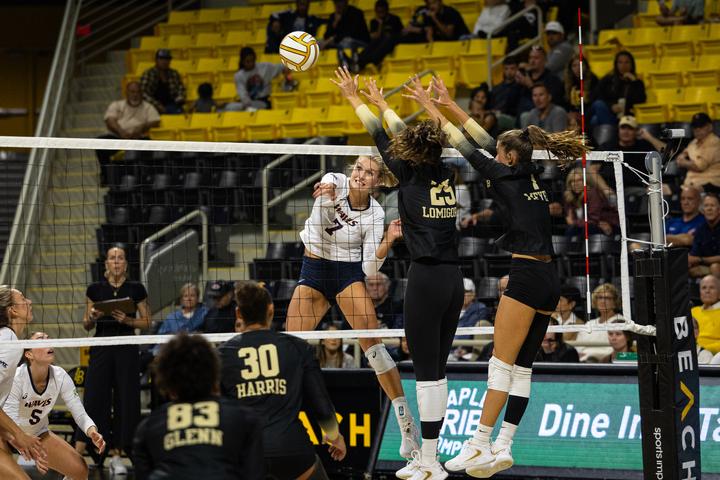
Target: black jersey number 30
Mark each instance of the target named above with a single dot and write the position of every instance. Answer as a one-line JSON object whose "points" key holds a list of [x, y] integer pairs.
{"points": [[332, 230]]}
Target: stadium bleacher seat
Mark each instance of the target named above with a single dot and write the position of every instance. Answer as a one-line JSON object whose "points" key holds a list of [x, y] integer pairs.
{"points": [[199, 128], [169, 126], [266, 125]]}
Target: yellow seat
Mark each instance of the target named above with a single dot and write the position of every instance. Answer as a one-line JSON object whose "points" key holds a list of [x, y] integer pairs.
{"points": [[334, 121], [467, 6], [600, 53], [682, 48], [232, 127], [237, 19], [324, 8], [643, 50], [645, 65], [233, 42], [266, 125], [169, 126], [291, 100], [469, 18], [621, 36], [206, 71], [182, 66], [321, 93], [204, 45], [326, 64], [152, 43], [653, 8], [442, 56], [709, 46], [178, 43], [301, 123], [199, 128], [258, 40], [602, 68], [136, 56], [702, 94], [690, 33], [142, 66], [226, 93], [706, 73], [713, 30], [178, 23], [657, 109], [407, 57], [648, 35], [182, 16], [665, 95], [670, 72], [208, 20]]}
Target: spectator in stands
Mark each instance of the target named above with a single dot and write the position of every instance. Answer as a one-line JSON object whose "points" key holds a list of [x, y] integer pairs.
{"points": [[523, 28], [220, 318], [433, 23], [633, 139], [470, 316], [554, 349], [401, 352], [389, 312], [492, 16], [704, 257], [385, 31], [505, 97], [190, 317], [480, 112], [602, 216], [704, 356], [205, 102], [131, 118], [560, 49], [252, 82], [606, 300], [536, 72], [618, 92], [707, 315], [486, 352], [681, 12], [546, 115], [621, 341], [701, 158], [287, 21], [162, 85], [112, 383], [346, 29], [680, 231], [572, 83], [565, 311], [330, 353]]}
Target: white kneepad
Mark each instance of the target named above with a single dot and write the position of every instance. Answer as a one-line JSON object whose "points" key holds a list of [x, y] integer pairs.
{"points": [[432, 398], [499, 375], [521, 381], [379, 359]]}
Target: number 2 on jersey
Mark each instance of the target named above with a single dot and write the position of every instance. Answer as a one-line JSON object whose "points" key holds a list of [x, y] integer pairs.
{"points": [[332, 230], [262, 360]]}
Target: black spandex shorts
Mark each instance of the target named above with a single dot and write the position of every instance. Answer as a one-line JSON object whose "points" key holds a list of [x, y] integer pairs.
{"points": [[329, 277], [288, 467], [534, 283]]}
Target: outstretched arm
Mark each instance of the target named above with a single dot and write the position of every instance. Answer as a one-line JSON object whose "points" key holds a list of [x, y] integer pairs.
{"points": [[375, 96], [476, 131]]}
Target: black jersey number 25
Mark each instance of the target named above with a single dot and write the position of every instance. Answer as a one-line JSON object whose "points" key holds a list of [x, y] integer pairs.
{"points": [[332, 230]]}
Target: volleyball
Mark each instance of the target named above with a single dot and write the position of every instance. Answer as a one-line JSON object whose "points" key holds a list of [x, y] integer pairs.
{"points": [[299, 51]]}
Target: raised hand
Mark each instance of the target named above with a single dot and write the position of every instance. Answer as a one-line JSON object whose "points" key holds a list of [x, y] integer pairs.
{"points": [[347, 84], [374, 94], [327, 189], [394, 230], [415, 91], [443, 96]]}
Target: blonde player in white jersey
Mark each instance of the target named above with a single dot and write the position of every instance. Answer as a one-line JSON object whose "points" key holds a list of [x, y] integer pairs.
{"points": [[37, 386], [344, 241], [15, 315]]}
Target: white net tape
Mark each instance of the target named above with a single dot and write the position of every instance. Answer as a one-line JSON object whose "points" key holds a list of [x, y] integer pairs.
{"points": [[314, 335]]}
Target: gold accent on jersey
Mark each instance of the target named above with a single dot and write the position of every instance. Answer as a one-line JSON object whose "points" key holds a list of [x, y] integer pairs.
{"points": [[261, 360], [435, 212], [271, 386], [442, 193], [193, 436], [534, 182], [192, 424]]}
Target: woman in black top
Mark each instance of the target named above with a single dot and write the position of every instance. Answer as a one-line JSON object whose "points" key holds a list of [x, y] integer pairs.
{"points": [[113, 373], [617, 92], [434, 294], [533, 289]]}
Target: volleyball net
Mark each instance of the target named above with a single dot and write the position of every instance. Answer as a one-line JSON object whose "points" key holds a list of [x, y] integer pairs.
{"points": [[199, 212]]}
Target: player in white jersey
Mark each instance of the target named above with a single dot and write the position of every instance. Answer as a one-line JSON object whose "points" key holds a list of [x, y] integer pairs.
{"points": [[38, 385], [15, 315], [344, 241]]}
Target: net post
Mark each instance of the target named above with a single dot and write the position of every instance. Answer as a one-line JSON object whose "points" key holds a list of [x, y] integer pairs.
{"points": [[653, 163]]}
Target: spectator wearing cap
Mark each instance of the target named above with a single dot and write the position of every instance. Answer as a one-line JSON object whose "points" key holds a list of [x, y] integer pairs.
{"points": [[505, 97], [221, 317], [565, 311], [707, 315], [252, 82], [617, 92], [536, 72], [389, 312], [560, 49], [130, 118], [704, 257], [283, 22], [162, 85], [680, 12], [493, 14], [554, 349], [701, 158], [546, 115]]}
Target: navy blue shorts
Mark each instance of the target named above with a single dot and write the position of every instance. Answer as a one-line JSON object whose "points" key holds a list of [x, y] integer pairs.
{"points": [[329, 277]]}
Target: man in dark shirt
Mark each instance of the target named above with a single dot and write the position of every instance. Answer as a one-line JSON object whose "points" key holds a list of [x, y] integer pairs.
{"points": [[435, 22], [505, 97], [537, 73], [197, 434], [704, 257], [221, 317], [275, 375], [346, 29], [385, 30], [162, 85], [287, 21], [389, 313]]}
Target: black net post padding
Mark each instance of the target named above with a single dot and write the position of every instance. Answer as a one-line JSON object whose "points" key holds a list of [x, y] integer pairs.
{"points": [[668, 377]]}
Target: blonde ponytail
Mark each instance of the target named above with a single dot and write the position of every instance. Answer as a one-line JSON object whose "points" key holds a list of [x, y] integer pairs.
{"points": [[566, 146]]}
